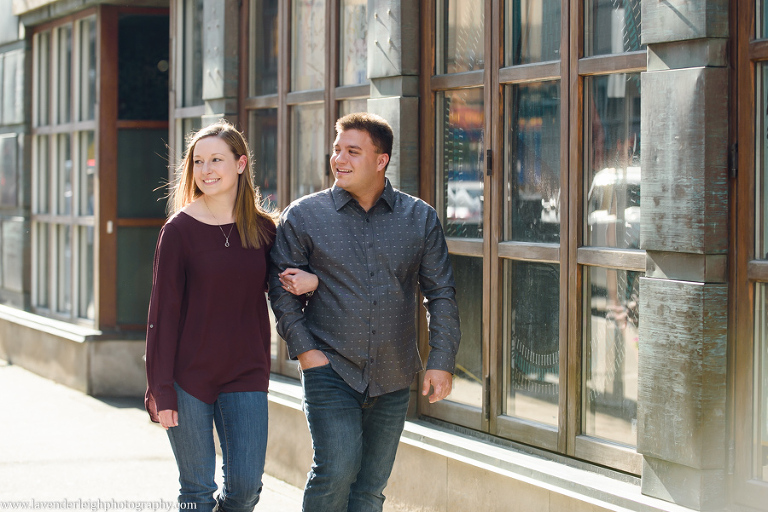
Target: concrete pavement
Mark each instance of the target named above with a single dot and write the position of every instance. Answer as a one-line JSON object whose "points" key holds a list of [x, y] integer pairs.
{"points": [[58, 444]]}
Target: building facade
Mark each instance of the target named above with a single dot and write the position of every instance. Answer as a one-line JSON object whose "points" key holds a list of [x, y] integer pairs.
{"points": [[614, 351]]}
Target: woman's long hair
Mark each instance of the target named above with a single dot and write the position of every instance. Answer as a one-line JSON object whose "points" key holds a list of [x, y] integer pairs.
{"points": [[250, 215]]}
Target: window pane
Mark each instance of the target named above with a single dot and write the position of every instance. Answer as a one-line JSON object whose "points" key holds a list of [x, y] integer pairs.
{"points": [[613, 161], [87, 68], [532, 341], [460, 33], [352, 106], [143, 71], [610, 354], [42, 77], [43, 265], [532, 29], [141, 173], [192, 61], [460, 161], [761, 19], [468, 379], [64, 269], [761, 384], [308, 163], [135, 248], [264, 47], [86, 308], [64, 174], [13, 87], [64, 74], [9, 170], [42, 174], [263, 135], [87, 173], [353, 48], [308, 45], [532, 162], [761, 163], [612, 27]]}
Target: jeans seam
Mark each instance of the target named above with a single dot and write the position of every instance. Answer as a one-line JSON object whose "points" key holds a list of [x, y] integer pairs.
{"points": [[227, 478]]}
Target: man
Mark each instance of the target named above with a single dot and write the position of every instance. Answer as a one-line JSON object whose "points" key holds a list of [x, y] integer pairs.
{"points": [[371, 247]]}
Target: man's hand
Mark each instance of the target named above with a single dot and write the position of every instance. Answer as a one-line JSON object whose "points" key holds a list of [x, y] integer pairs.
{"points": [[312, 359], [168, 418], [441, 381]]}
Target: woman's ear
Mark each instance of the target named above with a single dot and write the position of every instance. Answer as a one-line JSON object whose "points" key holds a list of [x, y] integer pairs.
{"points": [[241, 163]]}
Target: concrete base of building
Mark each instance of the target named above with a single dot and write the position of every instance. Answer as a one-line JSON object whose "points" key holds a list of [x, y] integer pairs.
{"points": [[88, 360]]}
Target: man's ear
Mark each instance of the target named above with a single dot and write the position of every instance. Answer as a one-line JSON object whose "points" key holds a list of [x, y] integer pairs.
{"points": [[382, 161]]}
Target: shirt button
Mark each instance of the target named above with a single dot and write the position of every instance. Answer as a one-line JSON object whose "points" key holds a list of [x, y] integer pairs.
{"points": [[373, 331], [371, 274], [375, 303], [151, 326], [367, 220]]}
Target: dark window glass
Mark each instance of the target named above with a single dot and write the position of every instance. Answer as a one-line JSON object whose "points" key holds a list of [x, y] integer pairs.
{"points": [[141, 173], [143, 69]]}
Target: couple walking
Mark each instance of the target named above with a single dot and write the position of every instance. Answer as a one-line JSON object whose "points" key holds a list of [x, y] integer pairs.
{"points": [[343, 267]]}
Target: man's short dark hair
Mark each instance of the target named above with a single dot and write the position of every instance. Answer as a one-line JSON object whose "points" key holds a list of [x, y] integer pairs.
{"points": [[375, 126]]}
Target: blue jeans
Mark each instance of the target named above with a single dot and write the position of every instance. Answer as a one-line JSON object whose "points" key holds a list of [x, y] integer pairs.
{"points": [[355, 439], [241, 423]]}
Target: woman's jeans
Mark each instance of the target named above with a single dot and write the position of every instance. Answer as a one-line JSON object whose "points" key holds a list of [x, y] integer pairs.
{"points": [[241, 423], [355, 440]]}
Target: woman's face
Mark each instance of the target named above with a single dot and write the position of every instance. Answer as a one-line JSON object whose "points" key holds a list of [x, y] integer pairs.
{"points": [[215, 167]]}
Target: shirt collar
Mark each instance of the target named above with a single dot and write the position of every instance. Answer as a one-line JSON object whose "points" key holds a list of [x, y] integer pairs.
{"points": [[341, 197]]}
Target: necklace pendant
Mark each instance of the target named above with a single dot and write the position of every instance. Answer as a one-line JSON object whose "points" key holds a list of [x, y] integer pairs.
{"points": [[226, 243]]}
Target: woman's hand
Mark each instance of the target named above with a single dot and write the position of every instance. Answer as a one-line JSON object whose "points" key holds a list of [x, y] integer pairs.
{"points": [[297, 281], [168, 418]]}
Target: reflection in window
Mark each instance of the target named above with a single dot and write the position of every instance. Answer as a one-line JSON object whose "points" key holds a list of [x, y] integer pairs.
{"points": [[460, 162], [64, 269], [460, 36], [64, 74], [613, 169], [64, 174], [86, 307], [610, 354], [532, 341], [760, 429], [468, 379], [42, 174], [353, 48], [532, 162], [612, 27], [532, 31], [87, 173], [8, 171], [42, 51], [263, 141], [264, 44], [308, 45], [308, 164], [87, 68], [42, 265], [192, 54]]}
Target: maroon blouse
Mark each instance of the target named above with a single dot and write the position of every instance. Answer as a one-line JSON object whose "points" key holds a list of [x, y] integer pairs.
{"points": [[208, 326]]}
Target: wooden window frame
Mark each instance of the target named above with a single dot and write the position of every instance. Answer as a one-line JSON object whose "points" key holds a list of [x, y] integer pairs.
{"points": [[746, 272], [569, 254]]}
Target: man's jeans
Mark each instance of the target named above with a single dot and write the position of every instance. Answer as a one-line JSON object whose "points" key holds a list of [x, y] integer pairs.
{"points": [[355, 439], [241, 423]]}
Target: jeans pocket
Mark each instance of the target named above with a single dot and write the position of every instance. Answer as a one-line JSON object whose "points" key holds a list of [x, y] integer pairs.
{"points": [[317, 368]]}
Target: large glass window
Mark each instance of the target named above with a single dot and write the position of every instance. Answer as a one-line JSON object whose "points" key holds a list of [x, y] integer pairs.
{"points": [[353, 47], [308, 45], [264, 47], [539, 193], [191, 53]]}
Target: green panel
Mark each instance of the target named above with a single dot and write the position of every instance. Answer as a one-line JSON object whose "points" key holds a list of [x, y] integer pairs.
{"points": [[135, 250], [141, 169]]}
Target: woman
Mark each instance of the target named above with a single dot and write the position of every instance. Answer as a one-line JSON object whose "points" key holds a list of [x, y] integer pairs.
{"points": [[208, 333]]}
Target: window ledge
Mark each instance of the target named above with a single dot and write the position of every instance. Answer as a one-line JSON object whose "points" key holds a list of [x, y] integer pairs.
{"points": [[599, 486], [72, 332]]}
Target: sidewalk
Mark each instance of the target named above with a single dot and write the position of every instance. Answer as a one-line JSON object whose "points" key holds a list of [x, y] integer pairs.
{"points": [[59, 444]]}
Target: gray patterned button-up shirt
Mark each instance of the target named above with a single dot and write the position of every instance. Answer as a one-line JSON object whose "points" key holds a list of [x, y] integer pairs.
{"points": [[369, 264]]}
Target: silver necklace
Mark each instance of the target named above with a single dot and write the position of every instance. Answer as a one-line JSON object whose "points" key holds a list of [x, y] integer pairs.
{"points": [[226, 237]]}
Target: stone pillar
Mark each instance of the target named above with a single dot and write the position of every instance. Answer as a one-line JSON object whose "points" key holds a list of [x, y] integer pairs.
{"points": [[683, 297], [393, 69], [221, 23]]}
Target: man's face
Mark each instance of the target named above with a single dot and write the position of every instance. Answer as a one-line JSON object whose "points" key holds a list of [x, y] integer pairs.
{"points": [[356, 164]]}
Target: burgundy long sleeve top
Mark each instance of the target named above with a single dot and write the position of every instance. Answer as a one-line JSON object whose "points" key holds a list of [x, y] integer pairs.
{"points": [[208, 325]]}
